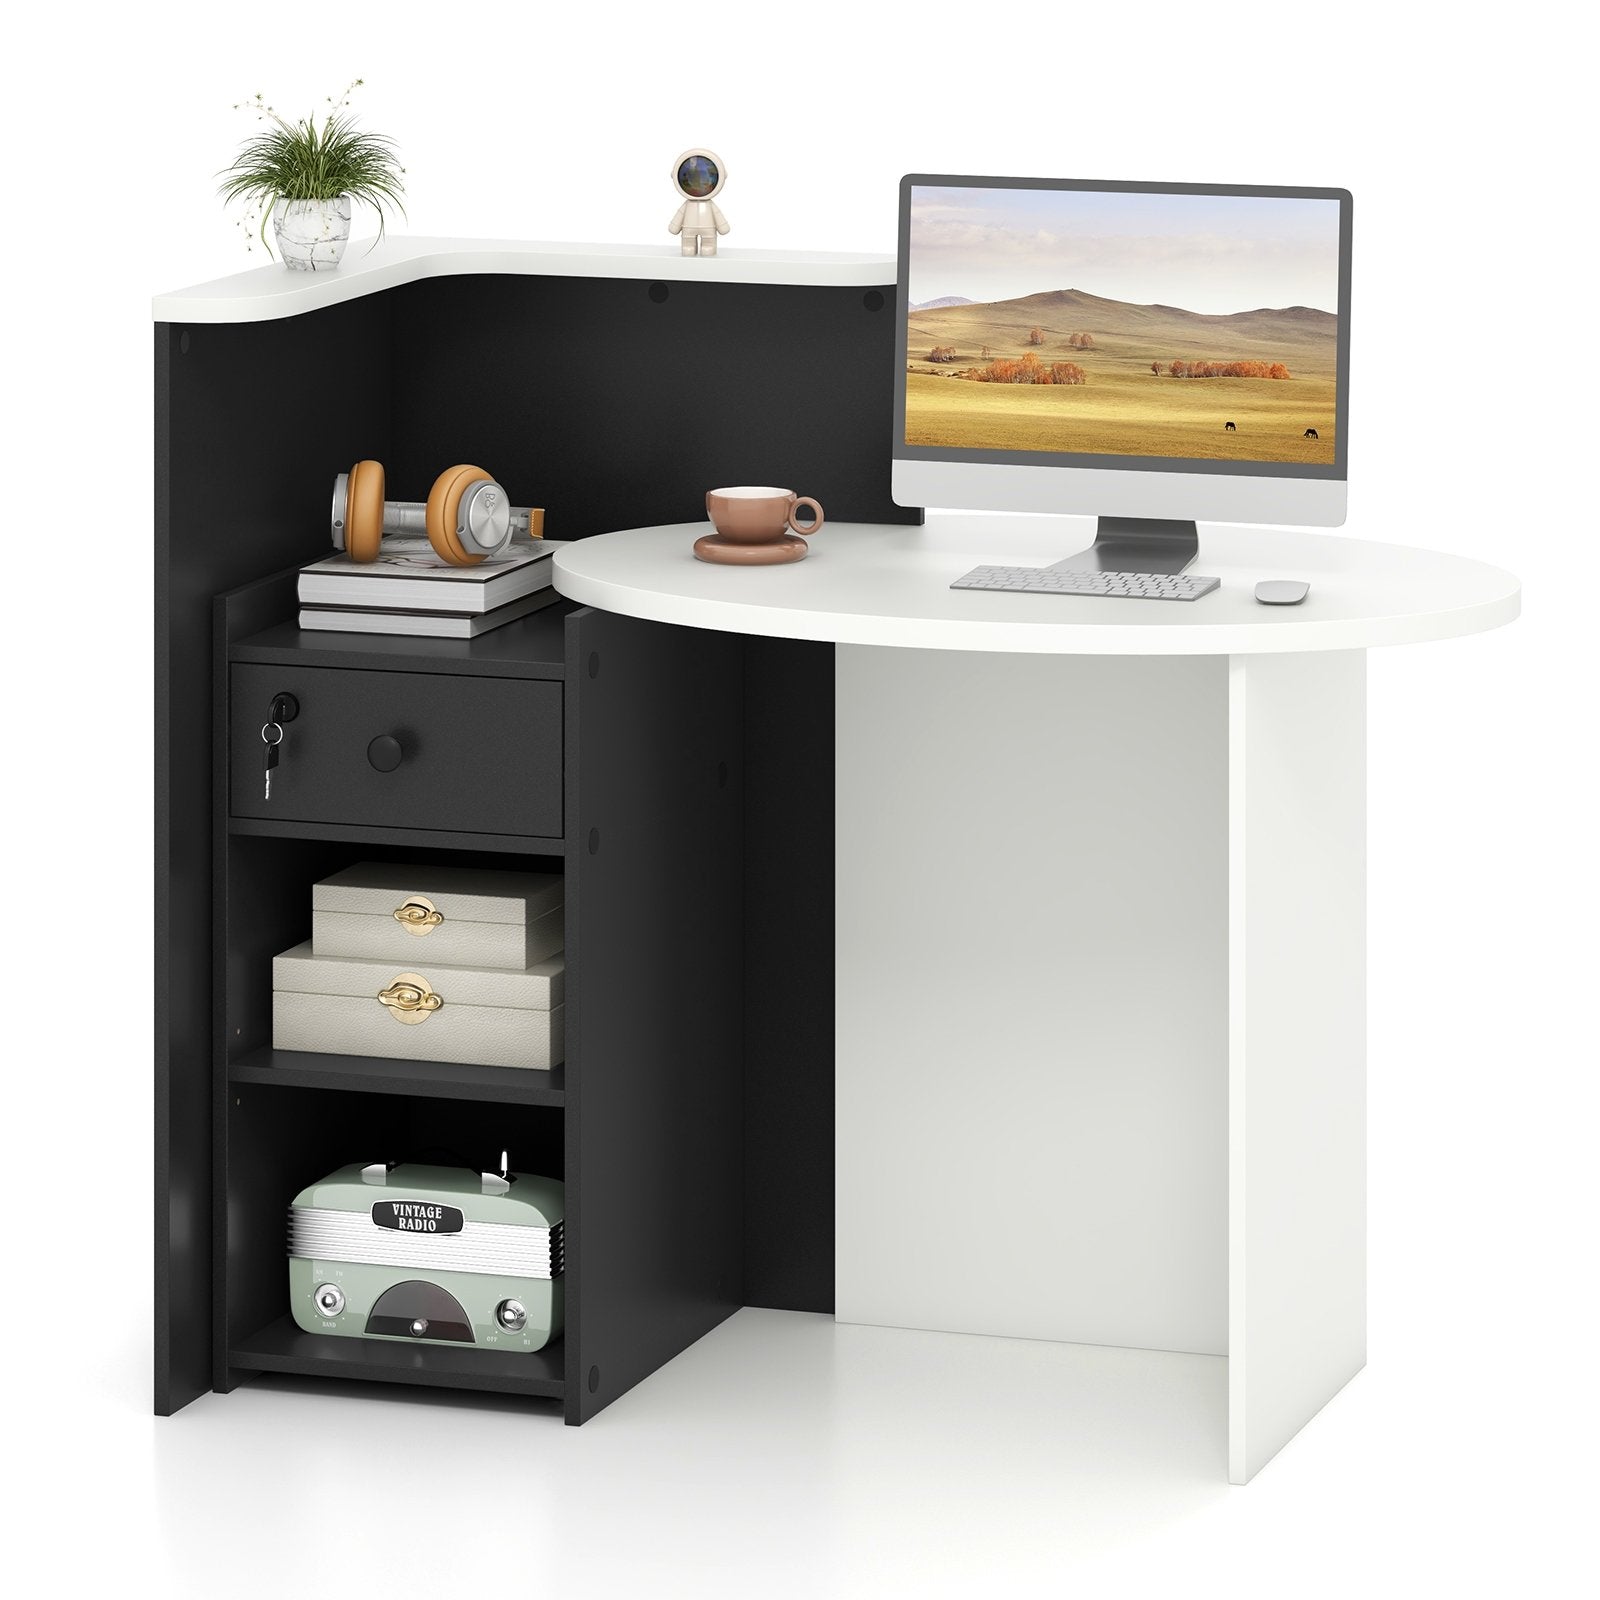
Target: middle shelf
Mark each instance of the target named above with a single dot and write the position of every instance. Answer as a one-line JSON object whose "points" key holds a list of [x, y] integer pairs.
{"points": [[301, 1069]]}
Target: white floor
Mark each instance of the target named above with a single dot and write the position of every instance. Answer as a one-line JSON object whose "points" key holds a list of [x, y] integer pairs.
{"points": [[784, 1455]]}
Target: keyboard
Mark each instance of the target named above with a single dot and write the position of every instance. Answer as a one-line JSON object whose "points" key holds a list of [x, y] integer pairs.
{"points": [[1067, 580]]}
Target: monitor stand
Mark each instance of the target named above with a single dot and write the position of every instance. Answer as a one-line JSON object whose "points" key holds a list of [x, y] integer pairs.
{"points": [[1136, 544]]}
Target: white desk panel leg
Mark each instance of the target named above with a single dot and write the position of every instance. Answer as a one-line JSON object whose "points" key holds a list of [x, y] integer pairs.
{"points": [[1297, 1048], [1032, 988]]}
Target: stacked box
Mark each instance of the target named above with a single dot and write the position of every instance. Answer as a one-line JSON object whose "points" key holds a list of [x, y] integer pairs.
{"points": [[427, 964]]}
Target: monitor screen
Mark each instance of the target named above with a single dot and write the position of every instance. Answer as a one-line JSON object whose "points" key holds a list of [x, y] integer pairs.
{"points": [[1142, 326]]}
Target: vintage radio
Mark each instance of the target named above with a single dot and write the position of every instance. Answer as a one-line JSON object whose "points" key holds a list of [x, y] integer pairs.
{"points": [[429, 1255]]}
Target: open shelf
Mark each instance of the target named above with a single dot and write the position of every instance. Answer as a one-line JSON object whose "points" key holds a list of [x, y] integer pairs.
{"points": [[283, 1346], [531, 647], [438, 1080]]}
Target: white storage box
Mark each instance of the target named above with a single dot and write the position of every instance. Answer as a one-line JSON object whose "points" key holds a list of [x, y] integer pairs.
{"points": [[419, 1012], [443, 916]]}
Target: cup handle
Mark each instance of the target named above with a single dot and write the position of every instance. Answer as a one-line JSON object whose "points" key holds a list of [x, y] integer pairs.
{"points": [[815, 525]]}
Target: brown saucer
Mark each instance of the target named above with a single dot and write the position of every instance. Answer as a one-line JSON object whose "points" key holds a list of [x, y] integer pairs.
{"points": [[713, 547]]}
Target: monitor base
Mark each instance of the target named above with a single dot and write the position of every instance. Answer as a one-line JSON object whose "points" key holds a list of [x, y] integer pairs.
{"points": [[1137, 544]]}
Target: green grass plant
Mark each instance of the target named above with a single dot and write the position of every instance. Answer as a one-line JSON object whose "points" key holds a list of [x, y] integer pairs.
{"points": [[312, 160]]}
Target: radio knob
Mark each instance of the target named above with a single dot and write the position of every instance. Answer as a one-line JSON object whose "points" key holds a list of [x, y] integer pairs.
{"points": [[330, 1299], [512, 1315], [419, 1326]]}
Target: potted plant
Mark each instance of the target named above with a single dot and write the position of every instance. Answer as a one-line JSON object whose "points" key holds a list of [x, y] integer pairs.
{"points": [[306, 177]]}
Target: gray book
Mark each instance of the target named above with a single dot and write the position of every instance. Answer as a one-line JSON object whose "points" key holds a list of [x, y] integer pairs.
{"points": [[408, 576], [424, 624]]}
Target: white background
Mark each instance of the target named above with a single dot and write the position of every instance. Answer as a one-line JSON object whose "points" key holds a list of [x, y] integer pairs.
{"points": [[1461, 1460]]}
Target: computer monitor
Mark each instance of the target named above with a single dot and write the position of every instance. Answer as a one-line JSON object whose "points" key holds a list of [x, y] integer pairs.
{"points": [[1148, 353]]}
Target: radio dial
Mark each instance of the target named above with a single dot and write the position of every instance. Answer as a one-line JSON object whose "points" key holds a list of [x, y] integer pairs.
{"points": [[512, 1315], [330, 1299]]}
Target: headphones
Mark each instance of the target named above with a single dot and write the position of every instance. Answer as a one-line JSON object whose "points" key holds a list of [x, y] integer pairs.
{"points": [[467, 516]]}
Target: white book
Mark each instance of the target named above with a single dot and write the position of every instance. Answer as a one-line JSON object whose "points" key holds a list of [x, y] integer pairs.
{"points": [[408, 576], [424, 624]]}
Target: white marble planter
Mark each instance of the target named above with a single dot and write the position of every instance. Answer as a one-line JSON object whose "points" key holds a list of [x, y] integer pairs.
{"points": [[312, 234]]}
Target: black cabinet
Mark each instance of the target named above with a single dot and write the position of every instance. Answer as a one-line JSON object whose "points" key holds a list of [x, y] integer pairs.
{"points": [[634, 732], [659, 768]]}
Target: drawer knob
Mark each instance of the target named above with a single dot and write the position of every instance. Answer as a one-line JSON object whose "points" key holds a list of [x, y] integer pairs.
{"points": [[410, 998], [384, 753], [419, 915]]}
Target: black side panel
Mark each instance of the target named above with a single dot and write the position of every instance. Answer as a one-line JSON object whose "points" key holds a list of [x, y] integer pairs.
{"points": [[252, 420], [612, 404], [654, 997], [612, 408], [788, 1029]]}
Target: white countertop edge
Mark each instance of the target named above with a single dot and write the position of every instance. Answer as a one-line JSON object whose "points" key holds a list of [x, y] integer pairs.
{"points": [[267, 294], [1006, 638]]}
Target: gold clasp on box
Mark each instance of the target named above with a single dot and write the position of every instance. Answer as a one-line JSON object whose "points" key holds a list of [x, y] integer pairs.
{"points": [[418, 915], [410, 998]]}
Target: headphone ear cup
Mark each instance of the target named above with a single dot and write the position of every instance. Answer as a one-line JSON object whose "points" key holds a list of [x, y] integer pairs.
{"points": [[363, 516], [444, 504]]}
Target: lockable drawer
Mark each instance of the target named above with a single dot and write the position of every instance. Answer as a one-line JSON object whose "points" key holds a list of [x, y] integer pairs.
{"points": [[400, 750]]}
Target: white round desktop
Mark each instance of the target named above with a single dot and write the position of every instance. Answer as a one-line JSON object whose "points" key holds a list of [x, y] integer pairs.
{"points": [[872, 584], [1100, 929]]}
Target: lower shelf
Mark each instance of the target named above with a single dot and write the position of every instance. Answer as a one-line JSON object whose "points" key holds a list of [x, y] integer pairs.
{"points": [[283, 1346]]}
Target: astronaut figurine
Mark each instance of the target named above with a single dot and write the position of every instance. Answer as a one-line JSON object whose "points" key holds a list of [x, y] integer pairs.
{"points": [[699, 174]]}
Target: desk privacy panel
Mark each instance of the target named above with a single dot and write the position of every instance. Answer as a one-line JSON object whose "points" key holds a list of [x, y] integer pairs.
{"points": [[616, 403]]}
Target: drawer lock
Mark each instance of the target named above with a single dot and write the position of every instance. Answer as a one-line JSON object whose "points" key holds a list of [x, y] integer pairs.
{"points": [[410, 999], [418, 915]]}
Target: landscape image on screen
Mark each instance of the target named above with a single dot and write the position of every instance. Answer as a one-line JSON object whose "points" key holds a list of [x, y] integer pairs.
{"points": [[1197, 327]]}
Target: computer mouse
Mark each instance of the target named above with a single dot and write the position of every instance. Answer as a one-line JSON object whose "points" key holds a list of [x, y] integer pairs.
{"points": [[1282, 591]]}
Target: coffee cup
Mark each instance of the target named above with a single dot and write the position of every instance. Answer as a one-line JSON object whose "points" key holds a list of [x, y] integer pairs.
{"points": [[760, 515]]}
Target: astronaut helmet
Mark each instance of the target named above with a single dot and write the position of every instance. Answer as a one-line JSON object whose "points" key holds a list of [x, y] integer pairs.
{"points": [[699, 174]]}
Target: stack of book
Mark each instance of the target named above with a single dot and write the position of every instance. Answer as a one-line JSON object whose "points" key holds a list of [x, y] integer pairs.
{"points": [[409, 590]]}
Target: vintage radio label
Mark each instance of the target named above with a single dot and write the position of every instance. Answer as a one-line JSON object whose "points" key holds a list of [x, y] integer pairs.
{"points": [[416, 1216]]}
